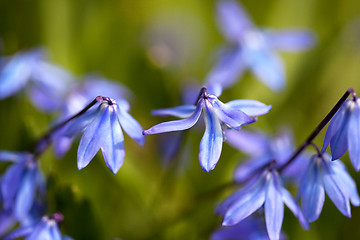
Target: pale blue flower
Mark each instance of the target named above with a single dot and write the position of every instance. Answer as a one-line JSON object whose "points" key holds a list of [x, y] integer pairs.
{"points": [[343, 132], [267, 191], [102, 129], [252, 48], [234, 114], [323, 175], [47, 83]]}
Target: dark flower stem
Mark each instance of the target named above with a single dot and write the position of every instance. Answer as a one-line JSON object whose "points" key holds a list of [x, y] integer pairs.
{"points": [[44, 141], [322, 124]]}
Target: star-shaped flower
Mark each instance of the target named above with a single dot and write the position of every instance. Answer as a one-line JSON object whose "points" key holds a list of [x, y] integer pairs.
{"points": [[268, 191], [234, 114], [252, 48], [323, 175], [343, 132], [48, 83], [102, 129]]}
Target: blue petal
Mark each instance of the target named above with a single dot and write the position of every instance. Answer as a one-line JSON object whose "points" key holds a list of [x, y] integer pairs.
{"points": [[41, 231], [268, 67], [19, 232], [230, 116], [14, 156], [177, 125], [54, 232], [250, 168], [10, 184], [26, 194], [274, 209], [113, 145], [233, 20], [183, 111], [226, 71], [93, 138], [290, 40], [7, 221], [211, 142], [130, 126], [252, 108], [354, 135], [339, 142], [312, 192]]}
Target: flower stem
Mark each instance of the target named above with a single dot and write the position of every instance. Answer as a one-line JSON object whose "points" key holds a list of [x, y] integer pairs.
{"points": [[321, 125]]}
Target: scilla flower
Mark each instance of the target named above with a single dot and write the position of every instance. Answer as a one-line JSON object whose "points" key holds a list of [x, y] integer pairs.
{"points": [[102, 129], [343, 132], [252, 48], [323, 175], [234, 114]]}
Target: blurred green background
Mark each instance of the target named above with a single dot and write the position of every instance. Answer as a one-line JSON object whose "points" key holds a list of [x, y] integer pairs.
{"points": [[155, 47]]}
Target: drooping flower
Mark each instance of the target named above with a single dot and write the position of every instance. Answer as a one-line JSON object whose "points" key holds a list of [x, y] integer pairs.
{"points": [[323, 175], [252, 48], [263, 149], [45, 229], [234, 114], [268, 191], [102, 125], [48, 83], [343, 132], [21, 185]]}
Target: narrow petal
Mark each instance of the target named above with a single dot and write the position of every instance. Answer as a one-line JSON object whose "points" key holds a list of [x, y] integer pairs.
{"points": [[14, 156], [230, 116], [274, 210], [7, 221], [354, 135], [93, 138], [113, 145], [130, 126], [294, 208], [251, 108], [19, 232], [41, 231], [10, 184], [183, 111], [177, 125], [54, 232], [211, 142], [339, 143], [233, 19], [290, 40]]}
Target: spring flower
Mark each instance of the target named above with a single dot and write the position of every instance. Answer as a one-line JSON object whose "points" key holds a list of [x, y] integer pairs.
{"points": [[343, 132], [48, 83], [323, 175], [252, 48], [102, 129], [235, 114], [267, 191], [21, 184]]}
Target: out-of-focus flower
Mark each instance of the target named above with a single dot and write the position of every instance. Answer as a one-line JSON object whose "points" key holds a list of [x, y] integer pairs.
{"points": [[45, 229], [21, 186], [323, 175], [48, 83], [235, 114], [344, 132], [102, 129], [263, 149], [267, 191], [252, 48]]}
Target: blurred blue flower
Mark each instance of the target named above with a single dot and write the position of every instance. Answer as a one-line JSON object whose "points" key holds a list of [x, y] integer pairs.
{"points": [[21, 186], [45, 229], [263, 149], [268, 191], [344, 132], [102, 129], [252, 48], [323, 175], [48, 83], [234, 114]]}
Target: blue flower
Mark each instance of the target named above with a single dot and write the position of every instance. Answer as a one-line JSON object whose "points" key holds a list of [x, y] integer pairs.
{"points": [[234, 114], [45, 229], [268, 191], [323, 175], [102, 129], [21, 184], [252, 48], [343, 132], [47, 82], [263, 149]]}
